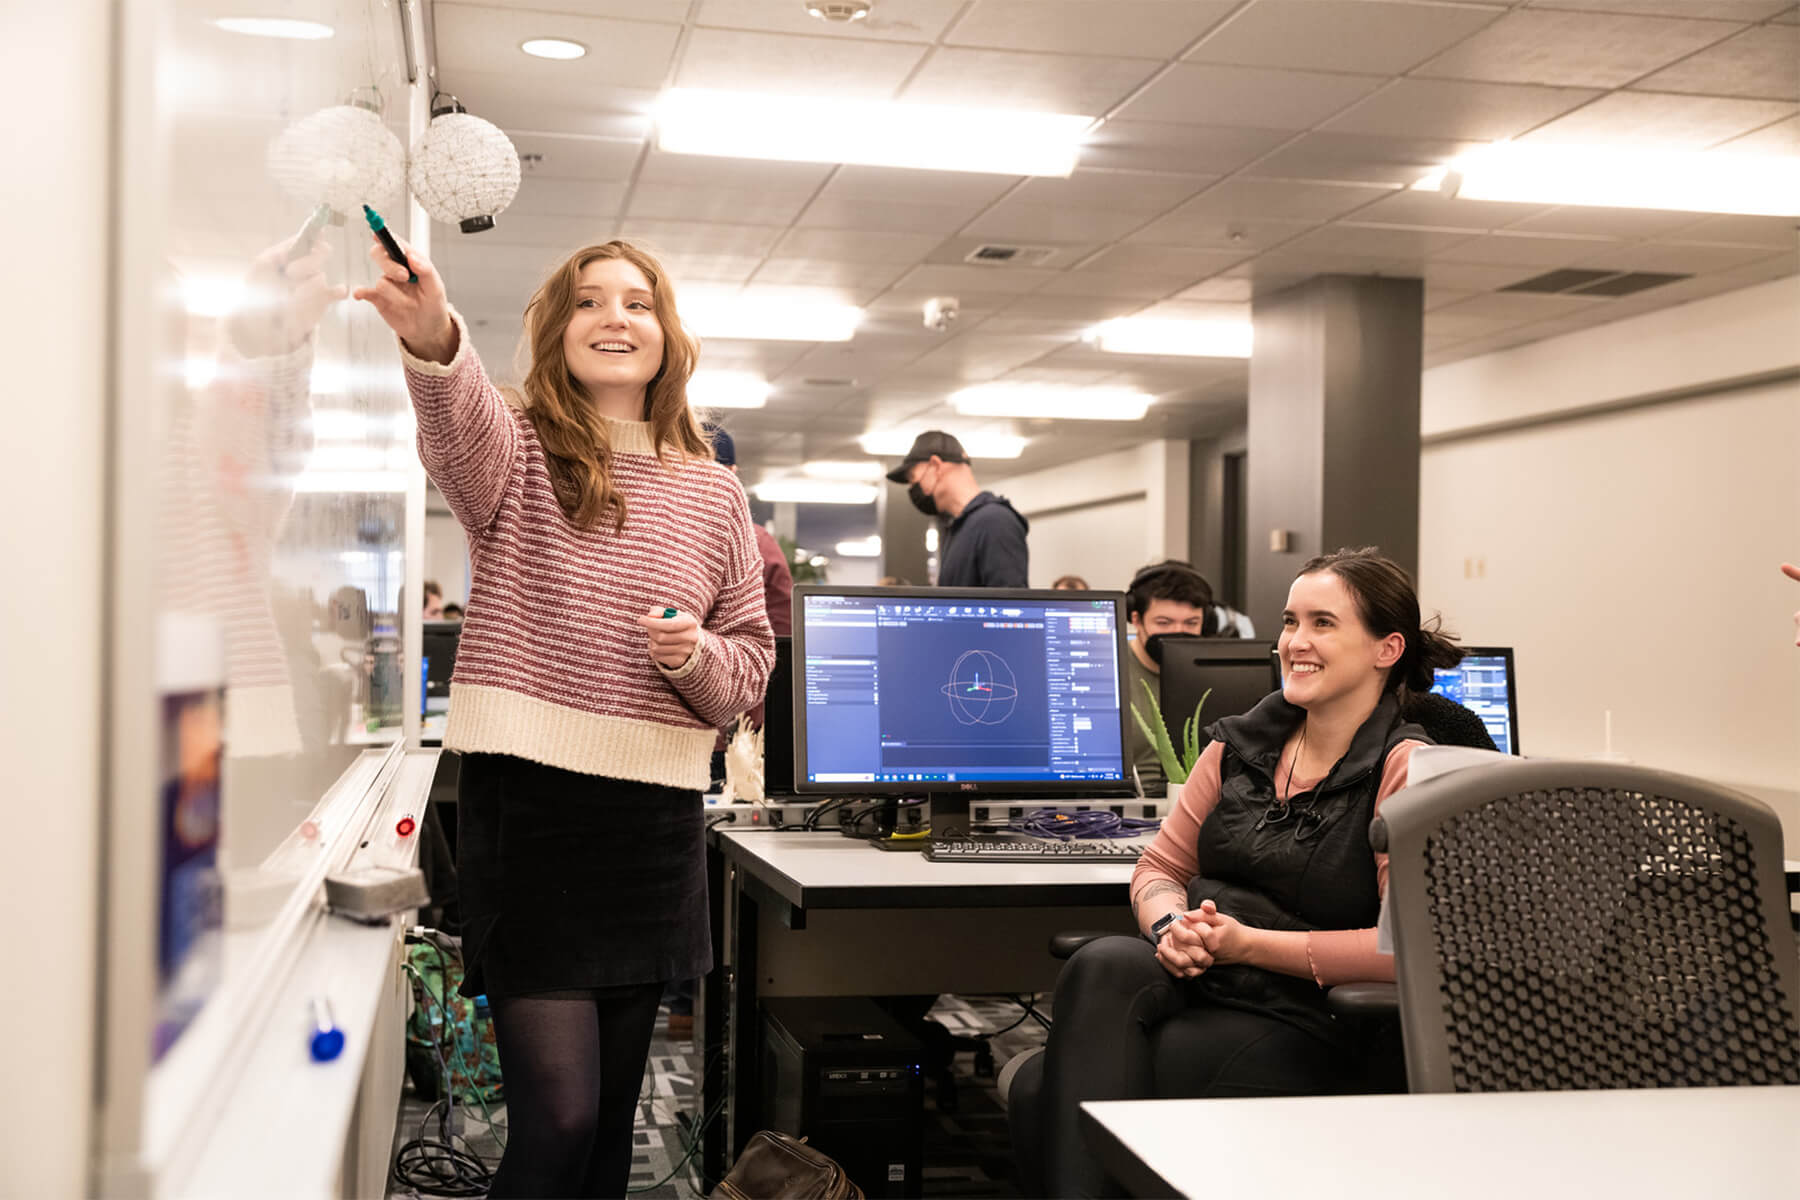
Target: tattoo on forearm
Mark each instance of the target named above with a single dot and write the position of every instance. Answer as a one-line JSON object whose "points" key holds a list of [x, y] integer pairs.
{"points": [[1160, 888]]}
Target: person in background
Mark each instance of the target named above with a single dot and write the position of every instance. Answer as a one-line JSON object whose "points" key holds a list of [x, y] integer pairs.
{"points": [[1167, 597], [892, 581], [1069, 583], [453, 612], [1259, 892], [434, 601], [984, 543], [582, 866]]}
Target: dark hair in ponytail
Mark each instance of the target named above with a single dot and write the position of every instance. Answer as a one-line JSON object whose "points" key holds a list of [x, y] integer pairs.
{"points": [[1387, 603]]}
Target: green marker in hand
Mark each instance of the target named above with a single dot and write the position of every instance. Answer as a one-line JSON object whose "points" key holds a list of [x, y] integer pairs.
{"points": [[667, 613]]}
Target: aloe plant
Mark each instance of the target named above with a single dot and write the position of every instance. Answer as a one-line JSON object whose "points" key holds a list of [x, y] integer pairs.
{"points": [[1175, 765]]}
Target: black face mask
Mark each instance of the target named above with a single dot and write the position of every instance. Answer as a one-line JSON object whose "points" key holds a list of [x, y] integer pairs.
{"points": [[921, 500], [1153, 646]]}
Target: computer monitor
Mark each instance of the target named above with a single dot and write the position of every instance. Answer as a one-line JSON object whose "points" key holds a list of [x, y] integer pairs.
{"points": [[1238, 673], [1484, 683], [437, 646], [910, 691], [778, 722]]}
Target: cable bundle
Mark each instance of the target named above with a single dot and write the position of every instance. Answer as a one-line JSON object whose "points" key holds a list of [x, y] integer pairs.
{"points": [[1094, 824]]}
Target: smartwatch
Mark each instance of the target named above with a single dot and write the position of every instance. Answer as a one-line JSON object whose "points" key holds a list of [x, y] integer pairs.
{"points": [[1161, 926]]}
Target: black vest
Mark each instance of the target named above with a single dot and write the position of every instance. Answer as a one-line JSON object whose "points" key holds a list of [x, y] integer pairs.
{"points": [[1302, 865]]}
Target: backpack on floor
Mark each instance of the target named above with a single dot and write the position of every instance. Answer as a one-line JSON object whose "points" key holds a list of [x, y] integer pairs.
{"points": [[444, 1023]]}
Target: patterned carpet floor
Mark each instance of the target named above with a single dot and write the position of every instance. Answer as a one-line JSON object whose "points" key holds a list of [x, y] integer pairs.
{"points": [[967, 1151]]}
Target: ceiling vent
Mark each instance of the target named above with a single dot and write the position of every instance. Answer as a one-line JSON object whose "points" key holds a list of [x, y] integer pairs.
{"points": [[992, 255], [1573, 281]]}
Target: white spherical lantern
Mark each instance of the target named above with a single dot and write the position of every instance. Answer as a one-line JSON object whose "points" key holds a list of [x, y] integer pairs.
{"points": [[344, 156], [464, 170]]}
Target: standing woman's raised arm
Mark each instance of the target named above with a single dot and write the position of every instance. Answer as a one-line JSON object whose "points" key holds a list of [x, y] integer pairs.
{"points": [[468, 437]]}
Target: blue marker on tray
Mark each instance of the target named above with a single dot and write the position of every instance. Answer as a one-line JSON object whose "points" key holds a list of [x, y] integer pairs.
{"points": [[327, 1041]]}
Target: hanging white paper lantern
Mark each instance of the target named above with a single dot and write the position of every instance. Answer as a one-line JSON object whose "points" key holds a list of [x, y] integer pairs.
{"points": [[464, 169], [344, 156]]}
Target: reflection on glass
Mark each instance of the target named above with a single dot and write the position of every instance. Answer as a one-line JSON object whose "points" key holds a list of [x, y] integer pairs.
{"points": [[283, 448]]}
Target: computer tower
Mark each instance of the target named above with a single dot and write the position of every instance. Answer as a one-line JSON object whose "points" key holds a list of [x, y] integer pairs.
{"points": [[844, 1075]]}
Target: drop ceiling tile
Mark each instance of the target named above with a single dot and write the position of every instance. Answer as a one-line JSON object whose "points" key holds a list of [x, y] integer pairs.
{"points": [[1083, 84], [1523, 250], [1203, 230], [1232, 289], [545, 230], [1661, 119], [576, 157], [1190, 310], [1447, 327], [694, 237], [858, 281], [710, 269], [1355, 157], [1781, 233], [1763, 62], [1128, 28], [1125, 285], [1375, 241], [1120, 191], [1573, 49], [1589, 221], [706, 170], [1011, 221], [636, 54], [540, 197], [1435, 209], [890, 20], [1522, 307], [690, 202], [1790, 17], [562, 106], [855, 246], [1472, 277], [1442, 297], [954, 281], [1190, 264], [1675, 257], [1722, 10], [1783, 137], [1328, 35], [1445, 108], [1165, 146], [1205, 94], [837, 212], [732, 60]]}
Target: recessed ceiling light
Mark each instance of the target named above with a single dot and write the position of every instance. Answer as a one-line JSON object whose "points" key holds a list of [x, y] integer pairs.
{"points": [[1191, 339], [553, 48], [759, 318], [815, 491], [1052, 401], [275, 27], [728, 389], [854, 471]]}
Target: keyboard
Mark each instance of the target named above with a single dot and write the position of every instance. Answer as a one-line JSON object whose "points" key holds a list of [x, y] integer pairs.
{"points": [[1022, 849]]}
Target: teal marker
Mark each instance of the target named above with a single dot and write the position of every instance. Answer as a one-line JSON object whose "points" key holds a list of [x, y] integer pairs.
{"points": [[380, 229], [667, 613]]}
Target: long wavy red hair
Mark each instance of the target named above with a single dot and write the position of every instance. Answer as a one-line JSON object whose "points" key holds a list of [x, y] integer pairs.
{"points": [[576, 447]]}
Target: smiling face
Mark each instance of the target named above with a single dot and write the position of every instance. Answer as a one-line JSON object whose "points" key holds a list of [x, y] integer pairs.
{"points": [[1327, 654], [613, 343]]}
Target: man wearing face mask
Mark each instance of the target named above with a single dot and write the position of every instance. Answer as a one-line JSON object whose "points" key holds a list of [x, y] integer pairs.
{"points": [[1167, 598], [984, 544]]}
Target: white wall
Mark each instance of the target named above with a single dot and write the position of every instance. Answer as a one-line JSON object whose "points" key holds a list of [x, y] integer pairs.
{"points": [[1102, 518], [1631, 555], [54, 66]]}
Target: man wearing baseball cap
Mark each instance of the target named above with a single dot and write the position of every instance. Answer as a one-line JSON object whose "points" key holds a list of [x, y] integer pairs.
{"points": [[984, 544]]}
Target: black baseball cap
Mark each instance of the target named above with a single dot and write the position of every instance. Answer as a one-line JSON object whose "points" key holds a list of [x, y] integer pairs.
{"points": [[932, 441]]}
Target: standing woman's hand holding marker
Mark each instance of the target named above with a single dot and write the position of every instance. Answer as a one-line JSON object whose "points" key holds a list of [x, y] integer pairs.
{"points": [[418, 311], [674, 636]]}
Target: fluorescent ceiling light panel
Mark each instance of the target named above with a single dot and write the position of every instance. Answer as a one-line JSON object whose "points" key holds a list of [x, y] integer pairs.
{"points": [[1191, 339], [1049, 400], [869, 547], [275, 27], [762, 318], [814, 491], [931, 137], [854, 471], [728, 389], [1714, 181], [553, 48], [894, 443]]}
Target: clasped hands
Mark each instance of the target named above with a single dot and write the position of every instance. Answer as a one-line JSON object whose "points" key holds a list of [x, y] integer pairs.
{"points": [[1203, 938]]}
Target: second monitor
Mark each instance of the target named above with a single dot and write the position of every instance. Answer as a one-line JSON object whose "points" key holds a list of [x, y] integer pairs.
{"points": [[1238, 674]]}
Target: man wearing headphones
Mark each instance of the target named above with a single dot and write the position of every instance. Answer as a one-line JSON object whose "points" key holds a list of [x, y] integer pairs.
{"points": [[1169, 597]]}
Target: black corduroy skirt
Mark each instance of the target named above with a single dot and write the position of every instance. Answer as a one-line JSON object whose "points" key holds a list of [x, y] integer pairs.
{"points": [[572, 881]]}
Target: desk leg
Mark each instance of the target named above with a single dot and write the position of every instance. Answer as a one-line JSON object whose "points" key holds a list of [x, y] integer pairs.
{"points": [[743, 1115], [711, 1019]]}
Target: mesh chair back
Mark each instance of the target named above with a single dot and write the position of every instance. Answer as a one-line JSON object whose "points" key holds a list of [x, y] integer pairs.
{"points": [[1589, 925]]}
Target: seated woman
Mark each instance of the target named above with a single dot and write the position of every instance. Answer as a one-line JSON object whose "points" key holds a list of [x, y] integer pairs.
{"points": [[1259, 892]]}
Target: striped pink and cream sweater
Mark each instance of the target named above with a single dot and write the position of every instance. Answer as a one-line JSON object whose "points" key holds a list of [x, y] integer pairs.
{"points": [[552, 664]]}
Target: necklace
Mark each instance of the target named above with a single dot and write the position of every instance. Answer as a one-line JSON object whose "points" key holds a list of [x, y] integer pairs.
{"points": [[1299, 748]]}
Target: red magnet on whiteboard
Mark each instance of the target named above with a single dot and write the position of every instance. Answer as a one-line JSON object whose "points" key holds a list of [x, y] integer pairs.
{"points": [[405, 826]]}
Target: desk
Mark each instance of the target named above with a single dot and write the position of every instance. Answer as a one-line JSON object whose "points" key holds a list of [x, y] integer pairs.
{"points": [[1675, 1142], [819, 914]]}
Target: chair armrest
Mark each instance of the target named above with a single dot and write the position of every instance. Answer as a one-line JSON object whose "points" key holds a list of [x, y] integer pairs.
{"points": [[1064, 944], [1364, 1000]]}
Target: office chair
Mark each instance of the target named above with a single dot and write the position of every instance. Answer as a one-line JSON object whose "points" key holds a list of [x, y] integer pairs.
{"points": [[1589, 925]]}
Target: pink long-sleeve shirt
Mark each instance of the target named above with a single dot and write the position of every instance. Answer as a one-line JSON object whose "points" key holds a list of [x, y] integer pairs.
{"points": [[1338, 955]]}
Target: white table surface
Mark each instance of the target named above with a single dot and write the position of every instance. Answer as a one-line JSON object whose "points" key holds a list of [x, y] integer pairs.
{"points": [[1691, 1143]]}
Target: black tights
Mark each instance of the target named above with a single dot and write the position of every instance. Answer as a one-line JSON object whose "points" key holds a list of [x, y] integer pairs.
{"points": [[572, 1063]]}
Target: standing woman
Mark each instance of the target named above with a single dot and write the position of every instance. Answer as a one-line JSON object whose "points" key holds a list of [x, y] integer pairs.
{"points": [[1259, 892], [615, 622]]}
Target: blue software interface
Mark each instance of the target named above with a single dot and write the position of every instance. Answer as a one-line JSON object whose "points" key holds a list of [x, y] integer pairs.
{"points": [[1480, 684], [909, 688]]}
